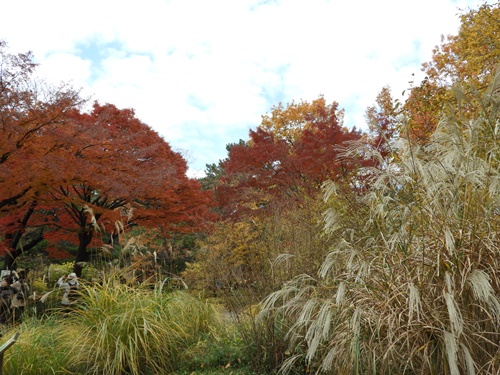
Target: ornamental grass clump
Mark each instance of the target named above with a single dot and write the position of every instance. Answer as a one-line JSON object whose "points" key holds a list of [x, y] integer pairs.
{"points": [[116, 329], [413, 285], [40, 348]]}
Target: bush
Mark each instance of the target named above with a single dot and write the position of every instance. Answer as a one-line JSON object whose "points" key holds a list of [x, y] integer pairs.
{"points": [[55, 271], [38, 286], [253, 255]]}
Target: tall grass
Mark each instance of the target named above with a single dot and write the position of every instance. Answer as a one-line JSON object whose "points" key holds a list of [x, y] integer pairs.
{"points": [[116, 329], [413, 286], [40, 349], [241, 263]]}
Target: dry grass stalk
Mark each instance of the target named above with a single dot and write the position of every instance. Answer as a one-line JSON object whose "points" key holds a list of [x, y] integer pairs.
{"points": [[412, 287]]}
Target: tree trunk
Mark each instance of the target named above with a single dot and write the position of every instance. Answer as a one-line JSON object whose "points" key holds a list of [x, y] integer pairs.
{"points": [[14, 249], [82, 254], [11, 257]]}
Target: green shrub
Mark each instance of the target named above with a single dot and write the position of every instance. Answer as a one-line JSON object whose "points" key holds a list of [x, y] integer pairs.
{"points": [[55, 271], [38, 286]]}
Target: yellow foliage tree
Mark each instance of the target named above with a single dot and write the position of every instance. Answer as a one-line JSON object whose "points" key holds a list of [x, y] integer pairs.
{"points": [[382, 120], [473, 55], [468, 59], [288, 122], [230, 257], [260, 253]]}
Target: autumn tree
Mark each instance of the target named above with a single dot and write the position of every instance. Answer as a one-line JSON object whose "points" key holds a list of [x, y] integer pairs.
{"points": [[31, 112], [288, 122], [472, 55], [65, 174], [468, 59], [120, 172], [269, 191], [279, 165], [383, 120]]}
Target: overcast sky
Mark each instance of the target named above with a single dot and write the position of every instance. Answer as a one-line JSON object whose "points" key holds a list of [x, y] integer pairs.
{"points": [[203, 72]]}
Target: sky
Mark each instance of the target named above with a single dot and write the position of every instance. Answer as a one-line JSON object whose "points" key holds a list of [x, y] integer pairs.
{"points": [[202, 73]]}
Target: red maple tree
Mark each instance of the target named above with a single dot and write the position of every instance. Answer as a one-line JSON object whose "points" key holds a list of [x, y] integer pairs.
{"points": [[65, 175], [30, 114], [118, 173], [271, 168]]}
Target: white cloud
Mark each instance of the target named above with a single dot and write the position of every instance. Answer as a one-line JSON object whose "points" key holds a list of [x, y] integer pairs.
{"points": [[66, 67], [203, 72]]}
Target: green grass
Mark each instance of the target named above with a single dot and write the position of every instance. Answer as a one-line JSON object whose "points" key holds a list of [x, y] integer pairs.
{"points": [[115, 329], [221, 370], [118, 329], [40, 349]]}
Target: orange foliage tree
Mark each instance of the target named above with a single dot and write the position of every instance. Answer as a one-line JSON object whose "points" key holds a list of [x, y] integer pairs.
{"points": [[65, 175], [288, 122], [31, 114], [120, 172], [268, 191]]}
